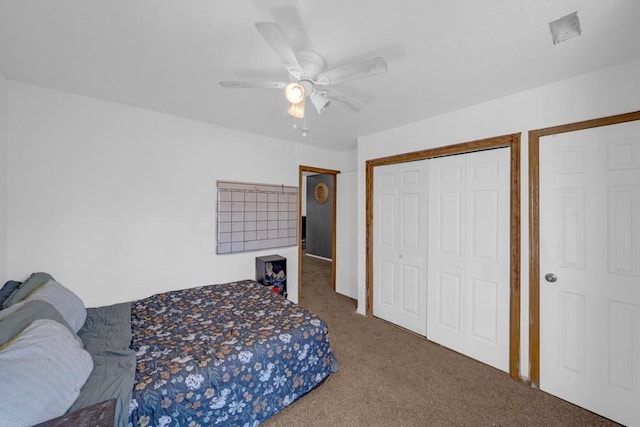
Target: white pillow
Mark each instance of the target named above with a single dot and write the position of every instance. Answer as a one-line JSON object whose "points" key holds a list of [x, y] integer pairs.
{"points": [[41, 373], [66, 302]]}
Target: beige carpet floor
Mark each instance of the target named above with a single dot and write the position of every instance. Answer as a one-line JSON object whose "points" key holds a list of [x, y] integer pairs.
{"points": [[391, 377]]}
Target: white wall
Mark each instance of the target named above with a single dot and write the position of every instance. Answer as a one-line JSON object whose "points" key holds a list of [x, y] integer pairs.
{"points": [[4, 147], [303, 196], [606, 92], [118, 203], [347, 246]]}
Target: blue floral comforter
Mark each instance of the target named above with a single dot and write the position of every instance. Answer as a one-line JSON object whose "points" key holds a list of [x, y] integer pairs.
{"points": [[231, 354]]}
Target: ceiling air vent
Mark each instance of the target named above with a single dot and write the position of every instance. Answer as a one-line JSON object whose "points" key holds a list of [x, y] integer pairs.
{"points": [[565, 28]]}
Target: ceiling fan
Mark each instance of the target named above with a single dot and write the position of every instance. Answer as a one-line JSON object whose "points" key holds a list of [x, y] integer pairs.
{"points": [[307, 76]]}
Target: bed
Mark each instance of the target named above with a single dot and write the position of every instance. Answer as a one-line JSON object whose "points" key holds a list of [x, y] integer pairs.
{"points": [[226, 354]]}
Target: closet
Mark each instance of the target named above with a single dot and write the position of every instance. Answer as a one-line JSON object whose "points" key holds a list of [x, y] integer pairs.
{"points": [[441, 250]]}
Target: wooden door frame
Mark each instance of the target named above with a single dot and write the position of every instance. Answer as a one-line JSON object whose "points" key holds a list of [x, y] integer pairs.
{"points": [[312, 169], [534, 225], [513, 142]]}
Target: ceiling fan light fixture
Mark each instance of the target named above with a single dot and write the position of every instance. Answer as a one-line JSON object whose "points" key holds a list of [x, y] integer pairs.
{"points": [[319, 101], [297, 110], [294, 92], [306, 69]]}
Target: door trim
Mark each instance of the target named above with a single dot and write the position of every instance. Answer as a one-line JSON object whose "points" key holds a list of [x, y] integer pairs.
{"points": [[534, 225], [312, 169], [513, 142]]}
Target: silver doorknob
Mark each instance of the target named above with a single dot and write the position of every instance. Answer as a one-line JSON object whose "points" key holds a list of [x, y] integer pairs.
{"points": [[550, 277]]}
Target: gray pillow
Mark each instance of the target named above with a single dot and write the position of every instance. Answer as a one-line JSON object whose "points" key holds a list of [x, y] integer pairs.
{"points": [[65, 301], [26, 288], [24, 314]]}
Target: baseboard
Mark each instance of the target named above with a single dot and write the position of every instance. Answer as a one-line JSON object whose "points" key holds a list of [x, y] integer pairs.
{"points": [[319, 257]]}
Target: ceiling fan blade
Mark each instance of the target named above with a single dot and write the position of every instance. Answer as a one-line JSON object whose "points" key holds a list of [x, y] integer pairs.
{"points": [[275, 38], [357, 70], [252, 85], [351, 104]]}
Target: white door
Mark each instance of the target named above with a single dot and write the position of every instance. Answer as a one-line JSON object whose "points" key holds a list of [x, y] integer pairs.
{"points": [[400, 245], [590, 241], [469, 253]]}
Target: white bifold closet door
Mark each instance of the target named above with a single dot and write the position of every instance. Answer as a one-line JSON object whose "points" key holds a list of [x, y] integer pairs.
{"points": [[590, 269], [400, 245], [469, 254]]}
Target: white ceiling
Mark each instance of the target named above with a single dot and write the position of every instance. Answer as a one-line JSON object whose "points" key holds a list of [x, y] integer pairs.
{"points": [[169, 55]]}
